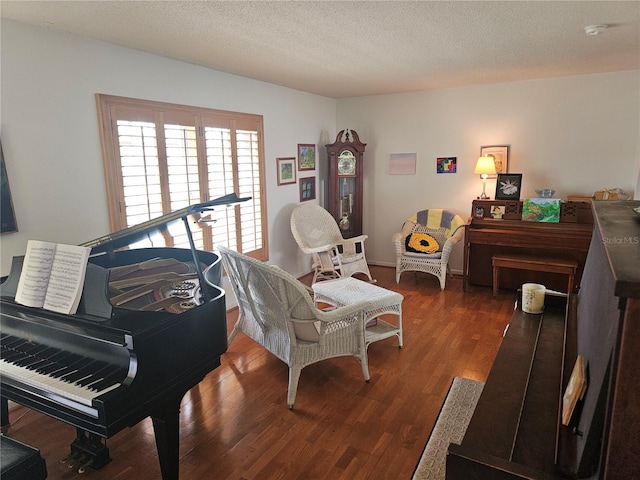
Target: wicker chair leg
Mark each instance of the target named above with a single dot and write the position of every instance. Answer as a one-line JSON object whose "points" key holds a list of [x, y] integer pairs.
{"points": [[294, 376], [364, 363]]}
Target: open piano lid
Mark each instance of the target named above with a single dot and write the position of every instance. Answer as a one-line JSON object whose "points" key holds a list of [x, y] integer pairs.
{"points": [[93, 301], [126, 237]]}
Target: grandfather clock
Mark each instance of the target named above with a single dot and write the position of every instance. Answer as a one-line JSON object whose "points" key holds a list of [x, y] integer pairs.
{"points": [[345, 182]]}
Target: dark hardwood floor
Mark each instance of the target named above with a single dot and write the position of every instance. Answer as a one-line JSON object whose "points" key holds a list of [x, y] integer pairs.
{"points": [[236, 425]]}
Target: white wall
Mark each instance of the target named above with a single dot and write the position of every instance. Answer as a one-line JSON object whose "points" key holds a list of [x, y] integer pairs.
{"points": [[51, 142], [573, 134]]}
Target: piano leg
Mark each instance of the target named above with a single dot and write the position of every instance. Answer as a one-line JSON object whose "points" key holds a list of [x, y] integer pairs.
{"points": [[166, 426]]}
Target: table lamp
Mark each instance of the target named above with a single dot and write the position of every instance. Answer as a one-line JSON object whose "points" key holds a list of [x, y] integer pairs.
{"points": [[485, 167]]}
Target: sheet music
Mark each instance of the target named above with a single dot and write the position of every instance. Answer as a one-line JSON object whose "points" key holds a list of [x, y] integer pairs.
{"points": [[53, 276], [36, 270]]}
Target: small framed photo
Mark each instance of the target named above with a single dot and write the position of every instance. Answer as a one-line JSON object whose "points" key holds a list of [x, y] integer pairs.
{"points": [[500, 154], [479, 213], [306, 156], [307, 189], [508, 186], [497, 211], [286, 170]]}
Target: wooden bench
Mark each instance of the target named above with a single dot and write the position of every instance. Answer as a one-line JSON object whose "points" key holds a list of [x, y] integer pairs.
{"points": [[539, 264]]}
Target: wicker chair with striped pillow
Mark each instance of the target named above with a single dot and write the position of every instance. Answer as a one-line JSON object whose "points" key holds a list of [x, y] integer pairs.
{"points": [[425, 243]]}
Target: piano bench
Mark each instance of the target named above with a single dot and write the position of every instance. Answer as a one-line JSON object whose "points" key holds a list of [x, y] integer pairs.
{"points": [[19, 461], [539, 264]]}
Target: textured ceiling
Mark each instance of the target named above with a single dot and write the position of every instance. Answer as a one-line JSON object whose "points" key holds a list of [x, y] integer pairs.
{"points": [[345, 49]]}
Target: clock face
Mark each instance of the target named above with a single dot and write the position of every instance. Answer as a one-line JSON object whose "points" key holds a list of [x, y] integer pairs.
{"points": [[346, 163]]}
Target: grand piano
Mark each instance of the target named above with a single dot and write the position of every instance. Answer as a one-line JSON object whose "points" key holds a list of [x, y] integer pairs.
{"points": [[150, 326]]}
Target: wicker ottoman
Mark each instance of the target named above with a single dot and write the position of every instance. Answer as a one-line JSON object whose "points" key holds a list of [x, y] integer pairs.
{"points": [[380, 301]]}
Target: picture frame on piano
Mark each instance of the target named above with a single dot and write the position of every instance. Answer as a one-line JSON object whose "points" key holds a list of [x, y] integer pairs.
{"points": [[508, 186]]}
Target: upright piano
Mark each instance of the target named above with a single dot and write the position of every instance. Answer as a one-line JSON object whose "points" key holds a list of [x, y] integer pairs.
{"points": [[150, 326], [486, 236], [516, 431]]}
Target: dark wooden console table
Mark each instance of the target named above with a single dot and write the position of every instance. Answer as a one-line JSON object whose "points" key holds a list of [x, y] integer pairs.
{"points": [[486, 236]]}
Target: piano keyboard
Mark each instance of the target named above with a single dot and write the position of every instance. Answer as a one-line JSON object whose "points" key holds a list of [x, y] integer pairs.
{"points": [[57, 372]]}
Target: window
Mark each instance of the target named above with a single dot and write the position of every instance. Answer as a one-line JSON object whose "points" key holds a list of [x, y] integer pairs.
{"points": [[161, 157]]}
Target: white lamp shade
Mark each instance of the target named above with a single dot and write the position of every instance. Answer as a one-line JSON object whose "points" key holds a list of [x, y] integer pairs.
{"points": [[485, 166]]}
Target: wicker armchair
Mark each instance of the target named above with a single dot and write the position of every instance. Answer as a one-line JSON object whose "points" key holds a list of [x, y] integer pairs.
{"points": [[428, 256], [276, 311], [318, 234]]}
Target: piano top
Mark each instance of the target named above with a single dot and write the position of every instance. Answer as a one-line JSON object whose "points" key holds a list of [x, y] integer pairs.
{"points": [[620, 229]]}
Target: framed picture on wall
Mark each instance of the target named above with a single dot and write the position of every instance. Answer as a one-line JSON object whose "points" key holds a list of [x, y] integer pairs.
{"points": [[500, 154], [286, 170], [306, 156], [307, 189], [508, 186], [446, 164]]}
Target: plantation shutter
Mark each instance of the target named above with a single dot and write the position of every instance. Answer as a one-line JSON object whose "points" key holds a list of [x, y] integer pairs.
{"points": [[159, 159]]}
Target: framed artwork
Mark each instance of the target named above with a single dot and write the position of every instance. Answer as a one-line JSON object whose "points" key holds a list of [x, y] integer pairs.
{"points": [[508, 186], [402, 164], [306, 156], [500, 154], [446, 164], [307, 189], [286, 170], [8, 217], [479, 212], [541, 210]]}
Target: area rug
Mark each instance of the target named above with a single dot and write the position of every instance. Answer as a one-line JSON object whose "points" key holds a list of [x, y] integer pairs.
{"points": [[450, 427]]}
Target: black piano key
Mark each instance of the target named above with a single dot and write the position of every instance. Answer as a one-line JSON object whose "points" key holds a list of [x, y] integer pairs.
{"points": [[29, 360], [14, 342], [33, 348], [102, 384], [108, 377], [46, 353], [69, 366], [39, 364], [75, 376], [82, 370], [98, 372], [43, 351], [55, 363], [14, 357], [94, 373]]}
